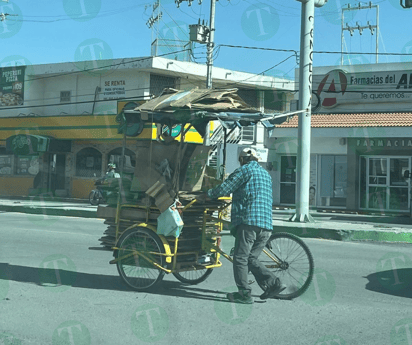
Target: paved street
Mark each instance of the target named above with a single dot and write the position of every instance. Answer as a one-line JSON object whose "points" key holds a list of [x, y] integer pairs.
{"points": [[361, 294]]}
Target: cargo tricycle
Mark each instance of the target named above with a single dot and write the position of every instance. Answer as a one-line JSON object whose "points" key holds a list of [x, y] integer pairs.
{"points": [[143, 254]]}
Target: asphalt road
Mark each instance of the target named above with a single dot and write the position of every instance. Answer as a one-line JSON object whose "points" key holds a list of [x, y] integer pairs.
{"points": [[361, 294]]}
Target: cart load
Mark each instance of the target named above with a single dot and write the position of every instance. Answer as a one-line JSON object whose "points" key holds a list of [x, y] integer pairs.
{"points": [[169, 175], [170, 168]]}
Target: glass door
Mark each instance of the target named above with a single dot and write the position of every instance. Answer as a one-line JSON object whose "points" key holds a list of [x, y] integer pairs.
{"points": [[398, 186], [287, 180], [378, 184], [386, 189]]}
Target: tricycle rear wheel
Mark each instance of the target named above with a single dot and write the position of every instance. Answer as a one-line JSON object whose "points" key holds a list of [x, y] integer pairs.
{"points": [[137, 272], [193, 277]]}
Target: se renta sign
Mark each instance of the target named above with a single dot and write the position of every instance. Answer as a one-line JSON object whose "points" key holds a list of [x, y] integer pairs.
{"points": [[338, 88]]}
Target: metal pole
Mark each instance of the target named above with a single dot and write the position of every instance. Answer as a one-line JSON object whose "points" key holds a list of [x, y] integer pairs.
{"points": [[342, 37], [377, 33], [305, 93], [210, 44]]}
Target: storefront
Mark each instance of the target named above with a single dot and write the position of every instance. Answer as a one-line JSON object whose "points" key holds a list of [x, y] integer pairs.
{"points": [[361, 142], [64, 155], [378, 167], [354, 174]]}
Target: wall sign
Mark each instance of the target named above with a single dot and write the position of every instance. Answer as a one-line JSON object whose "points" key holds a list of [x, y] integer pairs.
{"points": [[381, 144], [398, 143], [12, 86], [114, 89], [338, 87]]}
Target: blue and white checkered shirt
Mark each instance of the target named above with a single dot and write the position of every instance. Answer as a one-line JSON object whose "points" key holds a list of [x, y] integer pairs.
{"points": [[252, 199]]}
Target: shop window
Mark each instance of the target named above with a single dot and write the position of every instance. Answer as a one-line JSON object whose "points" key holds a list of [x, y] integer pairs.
{"points": [[333, 180], [287, 179], [274, 100], [115, 155], [249, 96], [65, 96], [383, 185], [160, 82], [27, 165], [362, 184], [6, 167], [89, 163]]}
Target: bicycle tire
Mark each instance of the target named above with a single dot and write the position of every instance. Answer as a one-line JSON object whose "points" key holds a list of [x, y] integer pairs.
{"points": [[138, 273], [297, 265], [193, 277], [93, 199]]}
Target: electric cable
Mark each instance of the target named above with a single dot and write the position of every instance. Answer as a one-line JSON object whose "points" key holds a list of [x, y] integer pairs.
{"points": [[65, 17], [261, 73], [315, 51], [106, 66]]}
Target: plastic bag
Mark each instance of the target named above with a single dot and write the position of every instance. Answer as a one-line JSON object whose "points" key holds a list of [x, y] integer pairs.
{"points": [[169, 223]]}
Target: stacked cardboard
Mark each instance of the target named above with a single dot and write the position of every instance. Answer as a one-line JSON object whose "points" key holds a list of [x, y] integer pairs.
{"points": [[156, 161]]}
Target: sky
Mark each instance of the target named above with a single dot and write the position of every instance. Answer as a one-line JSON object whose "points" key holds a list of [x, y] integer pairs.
{"points": [[42, 32]]}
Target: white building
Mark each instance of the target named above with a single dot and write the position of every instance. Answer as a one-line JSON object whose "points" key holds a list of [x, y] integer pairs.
{"points": [[59, 120]]}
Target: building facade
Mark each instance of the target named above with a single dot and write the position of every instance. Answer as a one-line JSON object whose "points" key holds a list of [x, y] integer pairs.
{"points": [[361, 145], [58, 128]]}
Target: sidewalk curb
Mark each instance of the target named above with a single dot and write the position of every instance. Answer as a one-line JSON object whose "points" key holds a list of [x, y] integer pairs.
{"points": [[348, 235], [301, 230], [50, 211]]}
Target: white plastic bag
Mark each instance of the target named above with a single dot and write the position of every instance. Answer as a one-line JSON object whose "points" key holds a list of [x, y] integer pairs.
{"points": [[169, 223]]}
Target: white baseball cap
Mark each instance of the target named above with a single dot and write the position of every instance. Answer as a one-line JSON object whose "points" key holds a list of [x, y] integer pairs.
{"points": [[248, 152]]}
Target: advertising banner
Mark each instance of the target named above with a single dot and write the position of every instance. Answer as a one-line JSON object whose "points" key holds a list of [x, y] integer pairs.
{"points": [[12, 86], [368, 89]]}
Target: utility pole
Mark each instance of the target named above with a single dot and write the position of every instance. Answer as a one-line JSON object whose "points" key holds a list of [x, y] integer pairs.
{"points": [[360, 27], [210, 44], [3, 16], [154, 19], [305, 94], [205, 34]]}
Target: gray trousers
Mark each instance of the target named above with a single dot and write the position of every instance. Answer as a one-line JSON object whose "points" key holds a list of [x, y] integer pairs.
{"points": [[250, 241]]}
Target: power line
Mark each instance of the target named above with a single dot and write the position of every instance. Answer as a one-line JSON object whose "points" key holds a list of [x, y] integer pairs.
{"points": [[261, 73], [315, 51], [65, 17], [74, 103], [106, 66]]}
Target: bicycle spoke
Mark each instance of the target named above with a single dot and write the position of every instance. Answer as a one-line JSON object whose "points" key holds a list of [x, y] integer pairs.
{"points": [[295, 268], [138, 269]]}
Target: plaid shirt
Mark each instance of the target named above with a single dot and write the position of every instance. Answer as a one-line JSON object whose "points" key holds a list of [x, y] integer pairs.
{"points": [[252, 200]]}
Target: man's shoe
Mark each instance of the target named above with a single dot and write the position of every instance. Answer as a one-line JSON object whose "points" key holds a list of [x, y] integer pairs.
{"points": [[237, 297], [273, 290]]}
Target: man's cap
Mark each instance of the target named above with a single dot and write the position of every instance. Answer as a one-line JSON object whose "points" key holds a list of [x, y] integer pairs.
{"points": [[248, 152], [111, 165]]}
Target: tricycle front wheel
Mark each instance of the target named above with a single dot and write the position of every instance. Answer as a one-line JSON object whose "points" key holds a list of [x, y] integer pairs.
{"points": [[138, 271], [290, 260]]}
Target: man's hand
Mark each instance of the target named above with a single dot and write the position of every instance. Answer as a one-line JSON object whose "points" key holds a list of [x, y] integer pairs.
{"points": [[202, 198]]}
